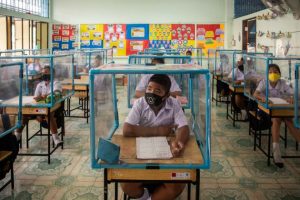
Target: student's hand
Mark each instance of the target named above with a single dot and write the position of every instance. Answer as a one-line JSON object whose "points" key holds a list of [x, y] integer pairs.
{"points": [[177, 148], [166, 130], [290, 100]]}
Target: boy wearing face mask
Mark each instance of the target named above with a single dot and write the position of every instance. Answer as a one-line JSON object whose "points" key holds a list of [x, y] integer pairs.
{"points": [[157, 114], [42, 90], [238, 79], [277, 88]]}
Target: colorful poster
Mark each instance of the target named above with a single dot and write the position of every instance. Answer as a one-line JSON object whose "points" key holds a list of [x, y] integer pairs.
{"points": [[209, 36], [91, 35], [160, 32], [137, 32], [64, 36], [115, 37], [183, 32], [156, 44], [135, 46], [183, 45]]}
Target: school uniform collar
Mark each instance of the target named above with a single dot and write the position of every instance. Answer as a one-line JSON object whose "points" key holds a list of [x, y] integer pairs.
{"points": [[277, 86]]}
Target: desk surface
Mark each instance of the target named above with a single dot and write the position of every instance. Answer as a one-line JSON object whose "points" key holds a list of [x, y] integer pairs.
{"points": [[76, 82], [191, 155]]}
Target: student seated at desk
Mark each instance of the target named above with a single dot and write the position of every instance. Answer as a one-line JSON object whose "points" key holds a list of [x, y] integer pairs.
{"points": [[277, 88], [157, 114], [142, 85], [238, 79], [98, 62], [42, 90]]}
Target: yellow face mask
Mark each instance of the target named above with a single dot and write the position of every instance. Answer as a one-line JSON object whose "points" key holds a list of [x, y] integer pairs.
{"points": [[274, 77]]}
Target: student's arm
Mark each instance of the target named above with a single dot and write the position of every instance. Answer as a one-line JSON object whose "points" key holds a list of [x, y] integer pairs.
{"points": [[257, 94], [175, 93], [182, 136], [130, 130]]}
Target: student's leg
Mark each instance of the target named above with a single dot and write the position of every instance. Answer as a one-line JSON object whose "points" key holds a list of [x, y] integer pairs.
{"points": [[133, 190], [168, 191], [18, 131], [240, 101], [276, 122], [292, 129]]}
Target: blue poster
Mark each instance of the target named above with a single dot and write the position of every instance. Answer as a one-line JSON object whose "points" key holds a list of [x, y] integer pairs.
{"points": [[137, 32]]}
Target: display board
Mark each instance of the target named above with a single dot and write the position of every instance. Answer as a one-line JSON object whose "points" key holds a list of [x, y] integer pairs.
{"points": [[128, 39], [115, 37], [209, 36], [91, 35], [64, 36]]}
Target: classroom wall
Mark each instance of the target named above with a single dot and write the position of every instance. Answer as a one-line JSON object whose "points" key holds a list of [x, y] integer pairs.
{"points": [[285, 24], [136, 11]]}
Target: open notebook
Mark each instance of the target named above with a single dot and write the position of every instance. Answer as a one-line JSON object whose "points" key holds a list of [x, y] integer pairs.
{"points": [[153, 148], [276, 100]]}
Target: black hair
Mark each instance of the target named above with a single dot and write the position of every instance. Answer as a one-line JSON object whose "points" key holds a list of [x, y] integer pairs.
{"points": [[162, 80], [274, 66], [188, 51], [98, 57], [48, 67], [158, 60]]}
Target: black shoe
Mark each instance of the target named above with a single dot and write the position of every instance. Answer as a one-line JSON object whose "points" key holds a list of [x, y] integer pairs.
{"points": [[278, 164]]}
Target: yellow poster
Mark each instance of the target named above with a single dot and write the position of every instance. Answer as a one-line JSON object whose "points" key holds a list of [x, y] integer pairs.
{"points": [[119, 47], [91, 31], [160, 31]]}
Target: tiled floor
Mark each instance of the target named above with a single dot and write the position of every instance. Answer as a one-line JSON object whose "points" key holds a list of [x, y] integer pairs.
{"points": [[237, 172]]}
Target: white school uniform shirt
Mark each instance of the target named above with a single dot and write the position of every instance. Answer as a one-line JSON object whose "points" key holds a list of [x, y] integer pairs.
{"points": [[238, 75], [42, 89], [170, 114], [281, 89], [142, 85]]}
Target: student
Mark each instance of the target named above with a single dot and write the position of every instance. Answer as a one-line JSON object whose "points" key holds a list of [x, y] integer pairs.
{"points": [[223, 88], [142, 85], [277, 88], [157, 114], [238, 79], [42, 90], [98, 62]]}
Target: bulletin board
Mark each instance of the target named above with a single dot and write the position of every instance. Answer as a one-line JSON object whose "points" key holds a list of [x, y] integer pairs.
{"points": [[160, 36], [91, 35], [210, 36], [115, 37], [183, 37], [137, 32], [64, 36], [134, 46]]}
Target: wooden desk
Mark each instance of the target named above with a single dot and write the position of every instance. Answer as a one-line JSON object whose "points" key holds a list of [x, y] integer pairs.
{"points": [[5, 156], [191, 155], [275, 111], [81, 90], [233, 114], [31, 107]]}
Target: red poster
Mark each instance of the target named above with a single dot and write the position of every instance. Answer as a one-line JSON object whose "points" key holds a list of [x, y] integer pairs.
{"points": [[183, 32], [135, 46], [114, 32]]}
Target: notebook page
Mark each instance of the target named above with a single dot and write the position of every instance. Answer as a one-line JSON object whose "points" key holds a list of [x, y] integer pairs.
{"points": [[153, 148]]}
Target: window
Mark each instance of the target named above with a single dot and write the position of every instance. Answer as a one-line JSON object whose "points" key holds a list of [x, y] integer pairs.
{"points": [[34, 7]]}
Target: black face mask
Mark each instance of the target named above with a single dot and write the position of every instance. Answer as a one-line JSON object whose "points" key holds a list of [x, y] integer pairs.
{"points": [[153, 99], [241, 67], [46, 77]]}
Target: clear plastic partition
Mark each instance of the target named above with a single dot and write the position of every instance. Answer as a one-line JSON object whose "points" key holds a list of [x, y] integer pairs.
{"points": [[45, 78], [157, 51], [11, 81], [109, 55], [154, 59], [212, 55], [296, 96], [260, 79], [105, 123], [17, 52], [20, 52]]}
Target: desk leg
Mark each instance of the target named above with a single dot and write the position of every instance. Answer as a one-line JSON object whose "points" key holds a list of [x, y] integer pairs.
{"points": [[189, 191], [49, 122], [12, 179], [27, 136], [87, 108], [63, 125], [105, 185], [197, 184], [116, 190], [212, 88], [269, 146]]}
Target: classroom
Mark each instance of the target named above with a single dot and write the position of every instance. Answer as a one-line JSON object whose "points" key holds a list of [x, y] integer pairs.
{"points": [[149, 100]]}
